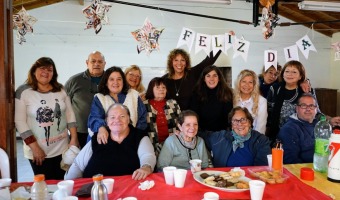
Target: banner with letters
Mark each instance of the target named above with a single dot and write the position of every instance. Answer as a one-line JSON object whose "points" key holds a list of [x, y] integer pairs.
{"points": [[224, 42]]}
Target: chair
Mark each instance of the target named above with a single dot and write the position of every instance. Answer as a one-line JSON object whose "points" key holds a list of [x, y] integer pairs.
{"points": [[4, 164]]}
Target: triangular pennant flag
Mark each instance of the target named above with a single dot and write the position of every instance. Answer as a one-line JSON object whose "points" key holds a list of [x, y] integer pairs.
{"points": [[270, 59], [305, 45], [203, 42], [217, 43], [291, 53], [241, 48], [186, 38], [228, 42]]}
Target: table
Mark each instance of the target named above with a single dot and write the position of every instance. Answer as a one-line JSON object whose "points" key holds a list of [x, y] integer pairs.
{"points": [[320, 180], [124, 186]]}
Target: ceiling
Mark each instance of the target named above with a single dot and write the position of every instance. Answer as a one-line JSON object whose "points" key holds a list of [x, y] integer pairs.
{"points": [[319, 21]]}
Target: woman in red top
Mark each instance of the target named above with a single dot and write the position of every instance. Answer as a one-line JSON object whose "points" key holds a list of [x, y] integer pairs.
{"points": [[162, 113]]}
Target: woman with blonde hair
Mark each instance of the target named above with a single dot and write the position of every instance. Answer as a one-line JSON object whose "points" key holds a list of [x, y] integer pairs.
{"points": [[247, 94], [134, 76]]}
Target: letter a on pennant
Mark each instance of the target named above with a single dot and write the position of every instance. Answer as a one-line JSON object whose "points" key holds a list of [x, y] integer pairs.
{"points": [[305, 45], [187, 38]]}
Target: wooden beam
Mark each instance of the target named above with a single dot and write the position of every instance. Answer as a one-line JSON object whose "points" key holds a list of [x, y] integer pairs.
{"points": [[31, 4], [7, 129]]}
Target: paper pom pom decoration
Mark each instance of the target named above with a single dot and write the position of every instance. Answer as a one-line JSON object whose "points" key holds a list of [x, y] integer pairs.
{"points": [[147, 37], [97, 15], [23, 23]]}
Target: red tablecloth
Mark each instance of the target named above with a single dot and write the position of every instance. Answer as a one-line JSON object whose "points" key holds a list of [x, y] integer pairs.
{"points": [[124, 186]]}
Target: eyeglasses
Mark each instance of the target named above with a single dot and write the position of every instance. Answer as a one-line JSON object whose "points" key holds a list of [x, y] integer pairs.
{"points": [[310, 106], [134, 75], [239, 121]]}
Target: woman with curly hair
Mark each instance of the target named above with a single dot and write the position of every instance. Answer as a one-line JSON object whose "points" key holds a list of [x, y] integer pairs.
{"points": [[246, 94], [212, 100], [181, 77]]}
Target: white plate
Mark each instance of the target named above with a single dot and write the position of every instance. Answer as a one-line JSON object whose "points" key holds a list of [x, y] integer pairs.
{"points": [[198, 178]]}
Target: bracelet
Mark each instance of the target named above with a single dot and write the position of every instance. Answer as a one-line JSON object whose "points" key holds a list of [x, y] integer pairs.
{"points": [[30, 140]]}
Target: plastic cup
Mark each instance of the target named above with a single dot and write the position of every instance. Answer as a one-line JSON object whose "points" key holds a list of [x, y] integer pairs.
{"points": [[66, 185], [169, 174], [277, 159], [256, 189], [71, 198], [180, 175], [108, 182], [211, 196], [270, 161], [195, 165]]}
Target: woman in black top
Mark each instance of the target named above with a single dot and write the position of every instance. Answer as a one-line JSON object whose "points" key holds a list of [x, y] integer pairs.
{"points": [[181, 77], [212, 100]]}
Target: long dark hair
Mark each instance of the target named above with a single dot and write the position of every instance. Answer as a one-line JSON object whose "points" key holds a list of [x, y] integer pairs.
{"points": [[102, 87], [43, 62], [224, 93], [154, 82]]}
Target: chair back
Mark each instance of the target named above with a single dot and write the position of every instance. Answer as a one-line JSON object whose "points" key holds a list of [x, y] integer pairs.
{"points": [[4, 164]]}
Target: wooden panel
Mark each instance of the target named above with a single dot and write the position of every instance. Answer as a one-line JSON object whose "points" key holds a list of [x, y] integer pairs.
{"points": [[7, 131], [327, 99]]}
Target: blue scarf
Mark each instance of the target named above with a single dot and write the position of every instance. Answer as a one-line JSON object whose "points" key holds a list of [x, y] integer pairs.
{"points": [[238, 140]]}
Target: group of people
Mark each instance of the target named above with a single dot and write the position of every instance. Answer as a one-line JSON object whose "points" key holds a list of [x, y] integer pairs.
{"points": [[189, 113]]}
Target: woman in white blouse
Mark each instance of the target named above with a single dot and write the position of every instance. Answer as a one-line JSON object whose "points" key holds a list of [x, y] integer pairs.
{"points": [[246, 94]]}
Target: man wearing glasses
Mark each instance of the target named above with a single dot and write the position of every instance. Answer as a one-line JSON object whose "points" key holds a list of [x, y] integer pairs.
{"points": [[81, 88], [297, 135]]}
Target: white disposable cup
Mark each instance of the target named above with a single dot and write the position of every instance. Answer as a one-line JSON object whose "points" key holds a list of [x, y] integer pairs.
{"points": [[180, 175], [169, 174], [130, 198], [270, 161], [195, 165], [71, 198], [256, 189], [211, 196], [108, 182], [66, 185]]}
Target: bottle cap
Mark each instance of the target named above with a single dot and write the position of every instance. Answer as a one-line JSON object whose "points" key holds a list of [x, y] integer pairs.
{"points": [[97, 177], [307, 174], [39, 177]]}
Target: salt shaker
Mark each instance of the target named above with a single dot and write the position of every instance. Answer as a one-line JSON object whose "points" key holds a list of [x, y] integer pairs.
{"points": [[99, 191]]}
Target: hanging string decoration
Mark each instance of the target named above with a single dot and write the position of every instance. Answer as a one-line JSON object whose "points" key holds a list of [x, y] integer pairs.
{"points": [[23, 23], [336, 47], [96, 13], [147, 36], [269, 19]]}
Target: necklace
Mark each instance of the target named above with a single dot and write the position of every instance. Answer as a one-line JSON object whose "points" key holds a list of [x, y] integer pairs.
{"points": [[179, 88]]}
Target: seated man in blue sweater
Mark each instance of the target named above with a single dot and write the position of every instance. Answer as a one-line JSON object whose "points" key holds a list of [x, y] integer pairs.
{"points": [[297, 135]]}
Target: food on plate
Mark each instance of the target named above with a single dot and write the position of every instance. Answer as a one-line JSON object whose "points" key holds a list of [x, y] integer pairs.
{"points": [[270, 177], [204, 175], [225, 180]]}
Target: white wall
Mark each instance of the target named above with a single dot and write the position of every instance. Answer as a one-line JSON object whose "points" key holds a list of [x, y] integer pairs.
{"points": [[335, 71], [59, 34]]}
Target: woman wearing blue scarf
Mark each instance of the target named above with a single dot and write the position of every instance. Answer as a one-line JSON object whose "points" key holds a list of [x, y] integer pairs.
{"points": [[242, 146]]}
